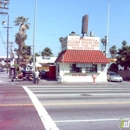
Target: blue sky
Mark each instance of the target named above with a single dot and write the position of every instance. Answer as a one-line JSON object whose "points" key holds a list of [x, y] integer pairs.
{"points": [[58, 18]]}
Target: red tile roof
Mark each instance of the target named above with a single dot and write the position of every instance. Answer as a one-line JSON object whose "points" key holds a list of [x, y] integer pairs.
{"points": [[82, 56]]}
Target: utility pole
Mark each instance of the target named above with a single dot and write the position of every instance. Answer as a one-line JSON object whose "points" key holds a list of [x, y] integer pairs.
{"points": [[3, 7], [7, 40], [11, 45]]}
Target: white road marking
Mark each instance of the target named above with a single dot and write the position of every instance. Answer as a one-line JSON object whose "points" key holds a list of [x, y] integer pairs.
{"points": [[46, 119], [42, 88], [87, 94], [92, 120]]}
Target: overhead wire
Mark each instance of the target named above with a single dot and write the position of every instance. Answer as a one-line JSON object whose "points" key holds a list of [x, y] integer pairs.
{"points": [[2, 40]]}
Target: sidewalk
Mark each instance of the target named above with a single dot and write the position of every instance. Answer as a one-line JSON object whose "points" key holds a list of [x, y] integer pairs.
{"points": [[4, 79]]}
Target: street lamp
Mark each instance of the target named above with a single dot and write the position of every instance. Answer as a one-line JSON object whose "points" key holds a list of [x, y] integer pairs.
{"points": [[34, 38]]}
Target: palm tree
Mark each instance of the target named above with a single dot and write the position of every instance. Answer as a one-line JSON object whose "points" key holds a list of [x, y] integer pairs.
{"points": [[47, 52], [61, 39], [124, 43], [36, 54], [104, 42], [31, 58], [113, 51], [22, 23], [19, 39], [21, 36]]}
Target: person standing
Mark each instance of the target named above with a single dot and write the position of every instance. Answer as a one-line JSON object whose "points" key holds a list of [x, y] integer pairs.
{"points": [[37, 76]]}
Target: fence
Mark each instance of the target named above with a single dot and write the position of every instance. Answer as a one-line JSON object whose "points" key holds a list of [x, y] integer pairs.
{"points": [[125, 74]]}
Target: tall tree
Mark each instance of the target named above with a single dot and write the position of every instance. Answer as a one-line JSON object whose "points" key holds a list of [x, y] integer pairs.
{"points": [[123, 57], [113, 51], [104, 42], [21, 36], [61, 39], [31, 58], [22, 23], [36, 54], [47, 52]]}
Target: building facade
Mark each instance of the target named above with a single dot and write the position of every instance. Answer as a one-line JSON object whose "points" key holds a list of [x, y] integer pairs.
{"points": [[81, 60]]}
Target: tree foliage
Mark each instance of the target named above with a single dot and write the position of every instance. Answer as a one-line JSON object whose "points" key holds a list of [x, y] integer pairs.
{"points": [[47, 52], [103, 40], [113, 67], [123, 56], [21, 36], [22, 23], [113, 51], [61, 39], [104, 43]]}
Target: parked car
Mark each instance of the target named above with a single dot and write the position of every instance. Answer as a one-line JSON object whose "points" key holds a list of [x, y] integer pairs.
{"points": [[113, 76], [42, 74], [1, 70]]}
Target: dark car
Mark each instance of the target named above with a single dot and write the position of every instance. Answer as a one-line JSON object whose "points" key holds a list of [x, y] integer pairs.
{"points": [[1, 70], [42, 74]]}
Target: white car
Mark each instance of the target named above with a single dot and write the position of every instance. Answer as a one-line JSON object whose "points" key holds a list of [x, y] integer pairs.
{"points": [[112, 76]]}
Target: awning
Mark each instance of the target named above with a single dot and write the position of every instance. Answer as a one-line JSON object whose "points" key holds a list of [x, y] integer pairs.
{"points": [[82, 56], [37, 64]]}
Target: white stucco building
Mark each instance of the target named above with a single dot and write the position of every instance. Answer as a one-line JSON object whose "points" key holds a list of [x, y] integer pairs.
{"points": [[80, 59]]}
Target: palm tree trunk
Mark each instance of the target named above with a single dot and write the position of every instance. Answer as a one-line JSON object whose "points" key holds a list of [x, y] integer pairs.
{"points": [[18, 60], [19, 53]]}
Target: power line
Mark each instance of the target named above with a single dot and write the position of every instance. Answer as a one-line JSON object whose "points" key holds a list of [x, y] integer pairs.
{"points": [[3, 40]]}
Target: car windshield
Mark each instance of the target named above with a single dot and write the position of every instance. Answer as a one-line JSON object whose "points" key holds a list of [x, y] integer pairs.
{"points": [[113, 74]]}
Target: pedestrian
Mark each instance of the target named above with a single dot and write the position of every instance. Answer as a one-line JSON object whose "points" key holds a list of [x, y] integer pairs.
{"points": [[37, 76]]}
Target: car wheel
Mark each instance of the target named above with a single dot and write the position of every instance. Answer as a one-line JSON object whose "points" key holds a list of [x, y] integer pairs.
{"points": [[110, 80]]}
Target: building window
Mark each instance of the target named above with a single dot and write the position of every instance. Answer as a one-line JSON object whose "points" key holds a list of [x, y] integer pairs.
{"points": [[78, 67], [74, 68], [91, 68]]}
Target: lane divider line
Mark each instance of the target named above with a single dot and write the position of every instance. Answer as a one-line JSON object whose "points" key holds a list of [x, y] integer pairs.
{"points": [[69, 104], [85, 103], [45, 117], [16, 105], [91, 120]]}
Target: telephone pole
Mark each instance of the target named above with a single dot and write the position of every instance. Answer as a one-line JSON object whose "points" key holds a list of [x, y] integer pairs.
{"points": [[4, 6]]}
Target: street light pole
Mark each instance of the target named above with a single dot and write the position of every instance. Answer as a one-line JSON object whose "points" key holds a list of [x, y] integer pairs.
{"points": [[107, 28], [34, 35], [7, 42]]}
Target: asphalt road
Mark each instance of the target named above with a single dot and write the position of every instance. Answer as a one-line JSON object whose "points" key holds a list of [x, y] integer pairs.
{"points": [[85, 107]]}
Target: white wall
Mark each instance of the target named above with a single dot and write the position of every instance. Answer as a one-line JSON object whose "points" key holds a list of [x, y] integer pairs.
{"points": [[66, 76]]}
